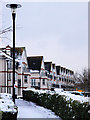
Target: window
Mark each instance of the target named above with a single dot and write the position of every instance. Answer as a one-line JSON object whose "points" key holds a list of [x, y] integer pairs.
{"points": [[54, 77], [25, 79], [59, 78], [43, 81], [51, 76], [61, 69], [19, 82], [9, 64], [9, 90], [42, 73], [66, 71], [15, 76], [33, 82], [46, 73], [17, 64], [48, 76], [9, 76], [24, 68]]}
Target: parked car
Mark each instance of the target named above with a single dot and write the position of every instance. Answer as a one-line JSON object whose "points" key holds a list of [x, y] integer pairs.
{"points": [[76, 93], [52, 92], [58, 90], [86, 94]]}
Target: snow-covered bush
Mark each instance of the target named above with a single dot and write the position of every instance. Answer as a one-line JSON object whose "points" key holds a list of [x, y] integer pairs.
{"points": [[7, 107], [66, 109]]}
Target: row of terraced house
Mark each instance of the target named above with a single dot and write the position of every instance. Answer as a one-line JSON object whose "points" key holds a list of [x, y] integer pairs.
{"points": [[31, 72]]}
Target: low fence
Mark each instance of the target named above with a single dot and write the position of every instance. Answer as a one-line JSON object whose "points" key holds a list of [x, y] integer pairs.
{"points": [[67, 110]]}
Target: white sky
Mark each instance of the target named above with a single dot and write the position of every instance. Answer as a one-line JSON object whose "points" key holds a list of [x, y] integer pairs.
{"points": [[58, 31]]}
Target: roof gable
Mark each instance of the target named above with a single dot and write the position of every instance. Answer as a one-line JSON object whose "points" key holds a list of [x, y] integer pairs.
{"points": [[34, 63], [48, 66], [18, 50], [58, 70]]}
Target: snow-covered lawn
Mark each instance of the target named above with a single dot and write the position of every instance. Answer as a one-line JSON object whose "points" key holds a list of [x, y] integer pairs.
{"points": [[31, 110]]}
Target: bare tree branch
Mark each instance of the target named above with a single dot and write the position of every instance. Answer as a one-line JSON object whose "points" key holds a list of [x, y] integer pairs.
{"points": [[8, 29], [83, 80]]}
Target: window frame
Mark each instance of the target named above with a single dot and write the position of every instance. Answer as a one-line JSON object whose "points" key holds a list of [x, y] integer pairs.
{"points": [[25, 78], [43, 81]]}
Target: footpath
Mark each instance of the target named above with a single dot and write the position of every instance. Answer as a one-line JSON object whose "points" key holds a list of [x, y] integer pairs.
{"points": [[31, 110]]}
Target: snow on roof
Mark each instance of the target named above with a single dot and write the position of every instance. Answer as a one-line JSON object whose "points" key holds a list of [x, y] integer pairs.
{"points": [[33, 71], [7, 56], [3, 54]]}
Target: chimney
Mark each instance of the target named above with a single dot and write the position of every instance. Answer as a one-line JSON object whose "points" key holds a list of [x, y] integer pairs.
{"points": [[8, 50]]}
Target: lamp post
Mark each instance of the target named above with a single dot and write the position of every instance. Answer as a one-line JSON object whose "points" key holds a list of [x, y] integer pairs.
{"points": [[13, 8], [7, 75]]}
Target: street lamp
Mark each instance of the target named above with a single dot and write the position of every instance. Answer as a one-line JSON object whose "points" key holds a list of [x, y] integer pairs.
{"points": [[13, 8], [7, 75]]}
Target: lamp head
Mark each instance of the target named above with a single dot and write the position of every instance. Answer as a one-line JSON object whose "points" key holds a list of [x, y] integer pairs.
{"points": [[13, 7]]}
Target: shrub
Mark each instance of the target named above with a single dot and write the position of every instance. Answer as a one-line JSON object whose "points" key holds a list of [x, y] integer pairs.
{"points": [[67, 110], [8, 116]]}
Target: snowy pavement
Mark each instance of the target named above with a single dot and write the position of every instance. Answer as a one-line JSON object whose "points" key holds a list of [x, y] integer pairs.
{"points": [[31, 110]]}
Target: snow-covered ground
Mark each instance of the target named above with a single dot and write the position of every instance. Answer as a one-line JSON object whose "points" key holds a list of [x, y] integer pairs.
{"points": [[31, 110], [6, 103]]}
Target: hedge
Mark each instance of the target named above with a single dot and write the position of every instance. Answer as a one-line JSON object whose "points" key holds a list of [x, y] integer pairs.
{"points": [[0, 115], [67, 110], [9, 116]]}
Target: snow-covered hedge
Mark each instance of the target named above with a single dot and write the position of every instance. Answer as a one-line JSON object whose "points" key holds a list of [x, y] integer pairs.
{"points": [[66, 109], [8, 110], [67, 94]]}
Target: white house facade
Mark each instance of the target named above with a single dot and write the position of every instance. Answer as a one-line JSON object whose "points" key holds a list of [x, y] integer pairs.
{"points": [[31, 72]]}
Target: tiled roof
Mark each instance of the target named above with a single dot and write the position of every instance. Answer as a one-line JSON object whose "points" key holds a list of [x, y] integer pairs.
{"points": [[18, 50], [58, 70], [34, 63], [48, 66], [53, 66]]}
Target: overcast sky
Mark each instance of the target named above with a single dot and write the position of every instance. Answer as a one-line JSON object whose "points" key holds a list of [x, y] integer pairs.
{"points": [[58, 31]]}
